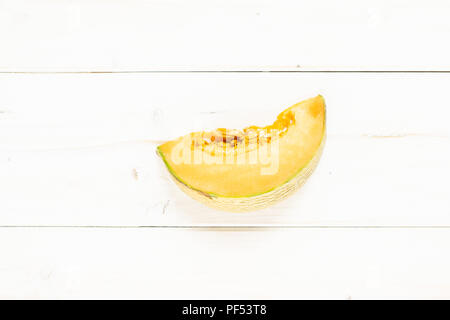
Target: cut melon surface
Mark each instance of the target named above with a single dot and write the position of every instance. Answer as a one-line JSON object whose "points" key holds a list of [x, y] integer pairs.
{"points": [[249, 169]]}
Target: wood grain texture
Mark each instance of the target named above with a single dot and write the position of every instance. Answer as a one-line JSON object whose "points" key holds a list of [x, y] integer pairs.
{"points": [[79, 149], [139, 35]]}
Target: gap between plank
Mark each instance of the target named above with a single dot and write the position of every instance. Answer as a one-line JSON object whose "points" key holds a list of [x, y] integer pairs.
{"points": [[225, 71]]}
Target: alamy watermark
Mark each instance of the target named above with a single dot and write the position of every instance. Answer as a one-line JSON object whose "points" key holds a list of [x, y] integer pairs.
{"points": [[250, 147]]}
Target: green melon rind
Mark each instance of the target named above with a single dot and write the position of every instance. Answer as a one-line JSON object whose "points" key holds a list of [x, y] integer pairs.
{"points": [[256, 202]]}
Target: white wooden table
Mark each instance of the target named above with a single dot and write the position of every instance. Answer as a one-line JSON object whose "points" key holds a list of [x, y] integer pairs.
{"points": [[89, 88]]}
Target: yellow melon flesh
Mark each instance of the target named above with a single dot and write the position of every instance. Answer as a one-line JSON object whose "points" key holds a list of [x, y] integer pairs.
{"points": [[242, 170]]}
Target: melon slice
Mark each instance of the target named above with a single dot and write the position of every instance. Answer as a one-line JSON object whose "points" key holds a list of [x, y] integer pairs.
{"points": [[243, 170]]}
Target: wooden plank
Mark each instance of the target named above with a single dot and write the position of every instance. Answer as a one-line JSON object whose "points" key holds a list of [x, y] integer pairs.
{"points": [[44, 111], [79, 149], [223, 264], [141, 35]]}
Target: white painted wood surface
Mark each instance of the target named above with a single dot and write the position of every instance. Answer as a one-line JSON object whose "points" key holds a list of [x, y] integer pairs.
{"points": [[77, 150], [224, 264], [137, 35]]}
